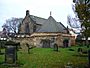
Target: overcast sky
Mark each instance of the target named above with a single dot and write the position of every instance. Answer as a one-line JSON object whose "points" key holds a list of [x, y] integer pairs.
{"points": [[17, 8]]}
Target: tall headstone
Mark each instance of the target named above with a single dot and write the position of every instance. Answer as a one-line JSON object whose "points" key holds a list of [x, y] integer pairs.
{"points": [[10, 52], [55, 47]]}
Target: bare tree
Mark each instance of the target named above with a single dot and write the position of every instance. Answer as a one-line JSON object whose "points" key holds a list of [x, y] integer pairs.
{"points": [[73, 23], [12, 24]]}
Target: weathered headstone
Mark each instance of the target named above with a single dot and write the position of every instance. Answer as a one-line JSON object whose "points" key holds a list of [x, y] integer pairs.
{"points": [[55, 47], [10, 53], [79, 49], [28, 47]]}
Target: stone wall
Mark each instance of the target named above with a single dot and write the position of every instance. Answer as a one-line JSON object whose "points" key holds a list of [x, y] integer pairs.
{"points": [[25, 21], [32, 26], [36, 38], [72, 40]]}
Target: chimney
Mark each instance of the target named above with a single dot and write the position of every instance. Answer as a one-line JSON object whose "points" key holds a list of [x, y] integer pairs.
{"points": [[27, 12]]}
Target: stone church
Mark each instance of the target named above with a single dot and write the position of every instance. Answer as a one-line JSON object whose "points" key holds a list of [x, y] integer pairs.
{"points": [[45, 33]]}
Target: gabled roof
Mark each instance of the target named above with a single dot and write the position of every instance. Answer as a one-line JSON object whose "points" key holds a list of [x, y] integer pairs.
{"points": [[38, 20], [46, 25], [62, 28], [31, 20], [51, 26]]}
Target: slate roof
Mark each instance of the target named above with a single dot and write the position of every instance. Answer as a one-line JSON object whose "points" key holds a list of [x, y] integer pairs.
{"points": [[38, 20], [50, 25], [62, 28]]}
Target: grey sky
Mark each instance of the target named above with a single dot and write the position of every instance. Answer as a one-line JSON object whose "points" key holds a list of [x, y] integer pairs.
{"points": [[16, 8]]}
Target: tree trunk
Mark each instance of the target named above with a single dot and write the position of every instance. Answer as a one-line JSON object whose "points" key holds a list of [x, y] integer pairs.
{"points": [[86, 41], [0, 46]]}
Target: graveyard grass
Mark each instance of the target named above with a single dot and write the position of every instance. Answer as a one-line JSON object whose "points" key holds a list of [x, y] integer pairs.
{"points": [[47, 58]]}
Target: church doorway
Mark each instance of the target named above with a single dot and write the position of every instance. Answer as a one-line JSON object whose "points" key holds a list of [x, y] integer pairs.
{"points": [[45, 43], [65, 42]]}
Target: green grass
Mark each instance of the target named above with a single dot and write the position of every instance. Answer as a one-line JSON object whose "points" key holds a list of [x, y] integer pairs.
{"points": [[47, 58]]}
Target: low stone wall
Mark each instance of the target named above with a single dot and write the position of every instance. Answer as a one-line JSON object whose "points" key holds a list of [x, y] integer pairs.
{"points": [[24, 40], [36, 38], [47, 36], [72, 40]]}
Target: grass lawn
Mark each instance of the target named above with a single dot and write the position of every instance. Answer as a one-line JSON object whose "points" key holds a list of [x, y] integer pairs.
{"points": [[47, 58]]}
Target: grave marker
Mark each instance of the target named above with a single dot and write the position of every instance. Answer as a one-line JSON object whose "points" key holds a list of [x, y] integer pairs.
{"points": [[55, 47], [10, 52]]}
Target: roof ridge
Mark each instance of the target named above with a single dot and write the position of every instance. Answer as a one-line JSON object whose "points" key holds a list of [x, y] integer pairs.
{"points": [[62, 25], [55, 21], [38, 17]]}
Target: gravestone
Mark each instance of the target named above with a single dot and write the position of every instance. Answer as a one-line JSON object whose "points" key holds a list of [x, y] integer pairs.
{"points": [[28, 47], [79, 49], [55, 47], [10, 52]]}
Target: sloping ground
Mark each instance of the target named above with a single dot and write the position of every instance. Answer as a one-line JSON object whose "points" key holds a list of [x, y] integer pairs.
{"points": [[47, 58]]}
